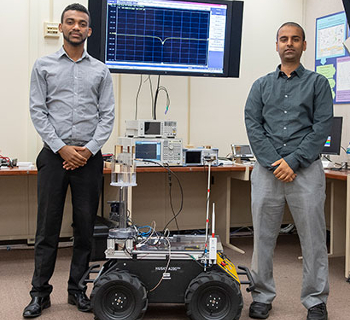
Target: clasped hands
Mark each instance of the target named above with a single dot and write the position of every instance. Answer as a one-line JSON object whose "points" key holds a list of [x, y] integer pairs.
{"points": [[283, 172], [74, 156]]}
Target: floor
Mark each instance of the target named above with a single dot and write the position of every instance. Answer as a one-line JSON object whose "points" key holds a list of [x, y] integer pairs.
{"points": [[16, 267]]}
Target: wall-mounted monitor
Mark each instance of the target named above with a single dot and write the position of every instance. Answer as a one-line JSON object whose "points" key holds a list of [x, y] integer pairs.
{"points": [[197, 37], [333, 143]]}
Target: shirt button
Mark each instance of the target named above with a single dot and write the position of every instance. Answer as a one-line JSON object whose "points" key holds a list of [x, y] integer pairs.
{"points": [[285, 128], [286, 96], [284, 145], [285, 111]]}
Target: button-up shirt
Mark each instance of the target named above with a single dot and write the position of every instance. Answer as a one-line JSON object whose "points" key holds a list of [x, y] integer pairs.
{"points": [[72, 103], [289, 117]]}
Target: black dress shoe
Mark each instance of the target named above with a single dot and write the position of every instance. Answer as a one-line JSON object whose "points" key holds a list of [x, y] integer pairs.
{"points": [[80, 300], [259, 310], [318, 312], [36, 306]]}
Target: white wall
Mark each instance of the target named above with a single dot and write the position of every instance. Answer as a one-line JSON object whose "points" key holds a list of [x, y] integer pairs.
{"points": [[14, 39], [217, 105], [209, 111], [315, 9]]}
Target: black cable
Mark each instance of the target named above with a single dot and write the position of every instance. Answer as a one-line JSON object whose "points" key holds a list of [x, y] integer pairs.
{"points": [[171, 199], [128, 219], [155, 100], [327, 158], [125, 249], [158, 90], [181, 191], [181, 205], [194, 259]]}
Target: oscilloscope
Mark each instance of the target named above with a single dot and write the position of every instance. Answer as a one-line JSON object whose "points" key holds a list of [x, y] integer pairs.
{"points": [[151, 128]]}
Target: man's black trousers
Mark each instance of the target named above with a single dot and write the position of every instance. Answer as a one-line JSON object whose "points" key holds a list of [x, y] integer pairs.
{"points": [[85, 184]]}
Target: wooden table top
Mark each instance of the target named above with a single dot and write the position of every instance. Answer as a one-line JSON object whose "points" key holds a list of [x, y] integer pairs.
{"points": [[338, 175]]}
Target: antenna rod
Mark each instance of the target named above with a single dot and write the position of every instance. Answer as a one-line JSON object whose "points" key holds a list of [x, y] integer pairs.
{"points": [[213, 222], [208, 198]]}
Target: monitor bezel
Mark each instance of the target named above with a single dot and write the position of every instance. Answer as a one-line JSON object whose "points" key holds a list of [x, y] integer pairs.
{"points": [[334, 150], [96, 43]]}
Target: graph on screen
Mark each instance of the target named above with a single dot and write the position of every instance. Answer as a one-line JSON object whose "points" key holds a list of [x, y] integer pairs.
{"points": [[159, 35], [165, 34]]}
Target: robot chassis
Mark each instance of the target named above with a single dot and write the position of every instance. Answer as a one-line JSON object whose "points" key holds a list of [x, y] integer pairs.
{"points": [[147, 267]]}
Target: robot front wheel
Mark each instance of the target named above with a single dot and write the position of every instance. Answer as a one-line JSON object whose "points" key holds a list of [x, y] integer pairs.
{"points": [[119, 295], [213, 295]]}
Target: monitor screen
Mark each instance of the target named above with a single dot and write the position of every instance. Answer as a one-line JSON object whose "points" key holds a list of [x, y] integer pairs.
{"points": [[152, 128], [148, 150], [333, 143], [243, 151], [199, 37], [193, 157]]}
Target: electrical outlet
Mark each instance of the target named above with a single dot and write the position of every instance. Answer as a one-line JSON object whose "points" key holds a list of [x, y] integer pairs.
{"points": [[51, 30]]}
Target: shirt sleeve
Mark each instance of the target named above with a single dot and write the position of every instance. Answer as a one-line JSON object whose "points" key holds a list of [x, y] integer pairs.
{"points": [[106, 114], [39, 111], [263, 149], [312, 144]]}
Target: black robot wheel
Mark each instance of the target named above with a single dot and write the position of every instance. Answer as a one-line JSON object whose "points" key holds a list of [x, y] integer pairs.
{"points": [[119, 295], [213, 295]]}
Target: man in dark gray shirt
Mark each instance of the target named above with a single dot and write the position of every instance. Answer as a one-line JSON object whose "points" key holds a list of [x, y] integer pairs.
{"points": [[288, 117], [72, 108]]}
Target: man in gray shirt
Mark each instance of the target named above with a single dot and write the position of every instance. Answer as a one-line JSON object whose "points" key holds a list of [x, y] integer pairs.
{"points": [[72, 108], [288, 117]]}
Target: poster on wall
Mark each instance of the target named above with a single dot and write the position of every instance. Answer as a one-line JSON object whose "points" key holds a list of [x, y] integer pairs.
{"points": [[331, 57]]}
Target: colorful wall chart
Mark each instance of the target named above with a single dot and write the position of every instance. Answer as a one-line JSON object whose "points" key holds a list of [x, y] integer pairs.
{"points": [[332, 59]]}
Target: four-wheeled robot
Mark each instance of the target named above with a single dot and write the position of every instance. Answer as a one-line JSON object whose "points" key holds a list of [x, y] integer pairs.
{"points": [[144, 266]]}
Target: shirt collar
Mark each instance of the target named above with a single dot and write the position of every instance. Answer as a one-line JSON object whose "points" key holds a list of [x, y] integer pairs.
{"points": [[298, 71], [62, 52]]}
